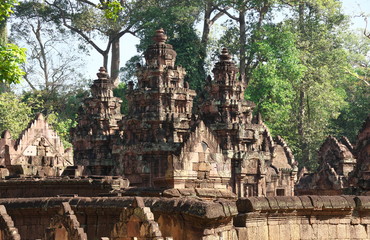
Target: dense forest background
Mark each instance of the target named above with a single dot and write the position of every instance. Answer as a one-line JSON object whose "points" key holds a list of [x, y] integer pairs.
{"points": [[306, 70]]}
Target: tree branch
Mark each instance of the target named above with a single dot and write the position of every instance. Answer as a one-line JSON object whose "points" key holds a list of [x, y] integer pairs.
{"points": [[227, 13], [90, 3], [218, 15]]}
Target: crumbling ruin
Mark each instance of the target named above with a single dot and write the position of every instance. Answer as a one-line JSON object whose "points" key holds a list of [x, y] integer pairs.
{"points": [[165, 145], [336, 161], [37, 152], [343, 168], [360, 178], [167, 171]]}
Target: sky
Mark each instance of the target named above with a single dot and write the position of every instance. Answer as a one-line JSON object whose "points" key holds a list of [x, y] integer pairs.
{"points": [[353, 8]]}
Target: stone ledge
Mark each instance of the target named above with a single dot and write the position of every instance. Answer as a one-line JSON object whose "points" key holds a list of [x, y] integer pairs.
{"points": [[302, 203], [187, 206]]}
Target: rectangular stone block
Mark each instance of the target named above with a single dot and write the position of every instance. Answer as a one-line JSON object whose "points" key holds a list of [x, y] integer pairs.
{"points": [[263, 232], [294, 231], [333, 231], [306, 231], [358, 231], [342, 231], [274, 232], [323, 231], [284, 231]]}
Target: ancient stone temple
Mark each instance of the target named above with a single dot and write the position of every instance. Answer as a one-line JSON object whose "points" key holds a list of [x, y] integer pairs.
{"points": [[182, 166], [336, 161], [97, 126], [260, 166], [37, 152], [161, 143], [164, 145], [360, 178]]}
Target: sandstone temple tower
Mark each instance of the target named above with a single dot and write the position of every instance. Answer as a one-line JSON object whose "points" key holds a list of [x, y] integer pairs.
{"points": [[162, 143], [161, 136], [260, 166], [97, 126]]}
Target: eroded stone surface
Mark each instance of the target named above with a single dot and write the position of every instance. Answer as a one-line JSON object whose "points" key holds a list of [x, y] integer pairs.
{"points": [[260, 166], [7, 229], [97, 124], [336, 161], [65, 226], [361, 175], [37, 152]]}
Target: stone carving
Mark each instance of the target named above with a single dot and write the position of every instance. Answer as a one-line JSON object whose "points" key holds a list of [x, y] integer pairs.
{"points": [[244, 139], [38, 151], [336, 161], [97, 124], [161, 143], [7, 229], [65, 226], [360, 178], [343, 169], [137, 222], [159, 119]]}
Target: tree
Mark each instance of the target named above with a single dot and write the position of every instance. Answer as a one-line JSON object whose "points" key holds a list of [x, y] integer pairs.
{"points": [[357, 89], [296, 70], [14, 113], [110, 19], [272, 82], [178, 19], [254, 13], [49, 68], [319, 97], [11, 56]]}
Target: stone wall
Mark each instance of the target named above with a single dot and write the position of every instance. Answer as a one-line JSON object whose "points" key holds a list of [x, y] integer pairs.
{"points": [[304, 217], [52, 187]]}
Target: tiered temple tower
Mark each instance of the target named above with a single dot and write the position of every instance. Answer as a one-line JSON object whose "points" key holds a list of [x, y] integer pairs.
{"points": [[97, 125], [244, 139], [159, 117]]}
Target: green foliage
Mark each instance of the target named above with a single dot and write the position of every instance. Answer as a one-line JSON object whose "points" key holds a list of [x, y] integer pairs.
{"points": [[120, 91], [15, 114], [297, 75], [177, 19], [11, 56], [60, 109], [111, 9], [357, 89], [62, 127], [272, 82], [6, 8]]}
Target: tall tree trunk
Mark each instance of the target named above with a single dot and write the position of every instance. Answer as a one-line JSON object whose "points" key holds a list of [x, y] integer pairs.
{"points": [[115, 61], [206, 29], [301, 126], [303, 144], [3, 33], [4, 86], [243, 40], [105, 59], [42, 60]]}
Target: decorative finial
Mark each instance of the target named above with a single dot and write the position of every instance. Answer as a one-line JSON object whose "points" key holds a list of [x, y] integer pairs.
{"points": [[102, 74], [159, 36], [225, 56]]}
